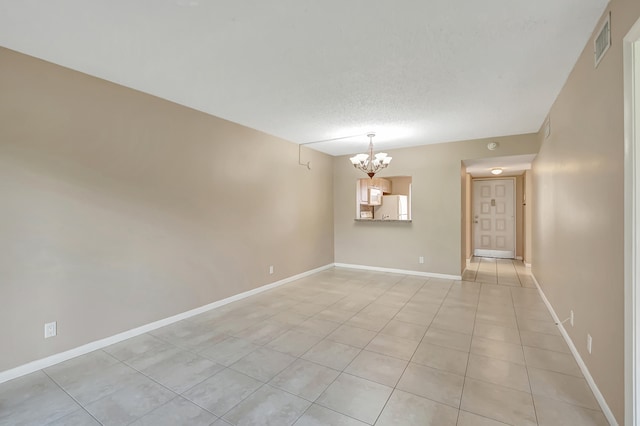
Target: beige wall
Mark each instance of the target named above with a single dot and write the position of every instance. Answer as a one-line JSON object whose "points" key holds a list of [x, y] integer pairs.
{"points": [[436, 231], [528, 227], [520, 216], [578, 209], [119, 208]]}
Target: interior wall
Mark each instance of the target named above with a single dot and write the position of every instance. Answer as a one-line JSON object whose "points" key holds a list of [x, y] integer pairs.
{"points": [[519, 216], [436, 230], [468, 252], [528, 219], [464, 206], [119, 208], [578, 233]]}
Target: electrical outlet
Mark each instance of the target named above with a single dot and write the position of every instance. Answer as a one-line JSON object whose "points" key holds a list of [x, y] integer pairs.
{"points": [[271, 269], [421, 259], [50, 330], [571, 318], [589, 342]]}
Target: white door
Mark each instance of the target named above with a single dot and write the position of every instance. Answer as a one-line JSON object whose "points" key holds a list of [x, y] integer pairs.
{"points": [[494, 218]]}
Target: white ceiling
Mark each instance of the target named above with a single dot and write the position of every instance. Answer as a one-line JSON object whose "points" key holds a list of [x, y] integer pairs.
{"points": [[510, 165], [414, 72]]}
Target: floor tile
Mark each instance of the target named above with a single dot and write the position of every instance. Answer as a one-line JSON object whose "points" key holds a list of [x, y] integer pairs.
{"points": [[77, 418], [353, 336], [498, 402], [127, 404], [570, 389], [331, 354], [289, 318], [355, 397], [497, 332], [437, 385], [544, 341], [175, 412], [317, 415], [551, 360], [377, 368], [88, 385], [178, 369], [229, 350], [448, 339], [404, 329], [368, 321], [262, 333], [498, 372], [441, 358], [294, 342], [416, 317], [334, 314], [317, 326], [453, 322], [547, 327], [136, 346], [268, 406], [499, 350], [552, 412], [223, 391], [263, 363], [397, 347], [469, 419], [407, 409], [305, 379], [32, 400]]}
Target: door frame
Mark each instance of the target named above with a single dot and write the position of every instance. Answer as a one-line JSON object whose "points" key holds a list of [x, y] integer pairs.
{"points": [[631, 63], [515, 204]]}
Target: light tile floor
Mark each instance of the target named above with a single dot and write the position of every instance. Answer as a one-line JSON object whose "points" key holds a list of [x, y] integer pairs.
{"points": [[341, 347]]}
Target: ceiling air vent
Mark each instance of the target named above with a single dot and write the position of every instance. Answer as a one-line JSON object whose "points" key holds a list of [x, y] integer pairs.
{"points": [[603, 40]]}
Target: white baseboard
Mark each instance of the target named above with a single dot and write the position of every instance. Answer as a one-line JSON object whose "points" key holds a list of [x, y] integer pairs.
{"points": [[527, 265], [399, 271], [583, 367], [468, 261], [102, 343], [518, 257]]}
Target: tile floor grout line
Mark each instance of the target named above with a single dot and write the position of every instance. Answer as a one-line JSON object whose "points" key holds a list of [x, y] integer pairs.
{"points": [[70, 396], [464, 380], [526, 367]]}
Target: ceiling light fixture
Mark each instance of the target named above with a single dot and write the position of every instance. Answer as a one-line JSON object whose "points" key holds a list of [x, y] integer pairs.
{"points": [[369, 163], [496, 171]]}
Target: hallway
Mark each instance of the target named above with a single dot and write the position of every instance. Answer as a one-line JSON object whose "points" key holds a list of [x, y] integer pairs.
{"points": [[509, 272]]}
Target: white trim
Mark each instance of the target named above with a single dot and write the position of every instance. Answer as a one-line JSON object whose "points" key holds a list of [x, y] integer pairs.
{"points": [[399, 271], [583, 367], [527, 265], [518, 257], [631, 224], [468, 261], [102, 343]]}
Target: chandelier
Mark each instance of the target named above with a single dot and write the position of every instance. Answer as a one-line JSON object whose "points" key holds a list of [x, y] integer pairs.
{"points": [[369, 163]]}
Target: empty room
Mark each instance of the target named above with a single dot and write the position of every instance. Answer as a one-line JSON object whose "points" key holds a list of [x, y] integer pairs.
{"points": [[319, 213]]}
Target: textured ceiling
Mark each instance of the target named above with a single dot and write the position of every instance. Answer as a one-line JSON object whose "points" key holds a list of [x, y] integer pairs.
{"points": [[413, 72]]}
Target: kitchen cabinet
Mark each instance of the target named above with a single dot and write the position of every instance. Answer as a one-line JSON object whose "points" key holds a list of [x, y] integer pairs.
{"points": [[383, 184], [371, 190]]}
